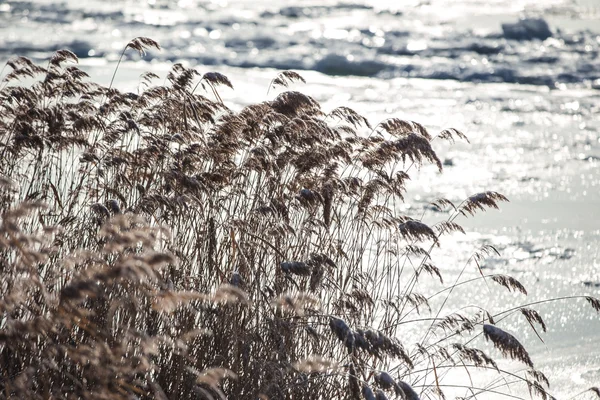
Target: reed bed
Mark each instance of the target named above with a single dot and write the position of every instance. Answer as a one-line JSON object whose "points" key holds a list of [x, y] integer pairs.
{"points": [[158, 245]]}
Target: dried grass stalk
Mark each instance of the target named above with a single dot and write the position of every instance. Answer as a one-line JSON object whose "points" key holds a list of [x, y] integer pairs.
{"points": [[480, 201], [510, 283], [179, 235], [594, 302], [507, 344], [285, 78], [417, 231]]}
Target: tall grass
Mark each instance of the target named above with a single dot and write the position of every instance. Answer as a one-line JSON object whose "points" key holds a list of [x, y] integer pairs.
{"points": [[160, 245]]}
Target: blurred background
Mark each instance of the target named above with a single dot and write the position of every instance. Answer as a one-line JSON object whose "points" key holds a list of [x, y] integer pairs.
{"points": [[520, 78]]}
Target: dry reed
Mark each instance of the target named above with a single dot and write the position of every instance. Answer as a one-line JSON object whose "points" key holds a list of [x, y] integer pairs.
{"points": [[160, 245]]}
